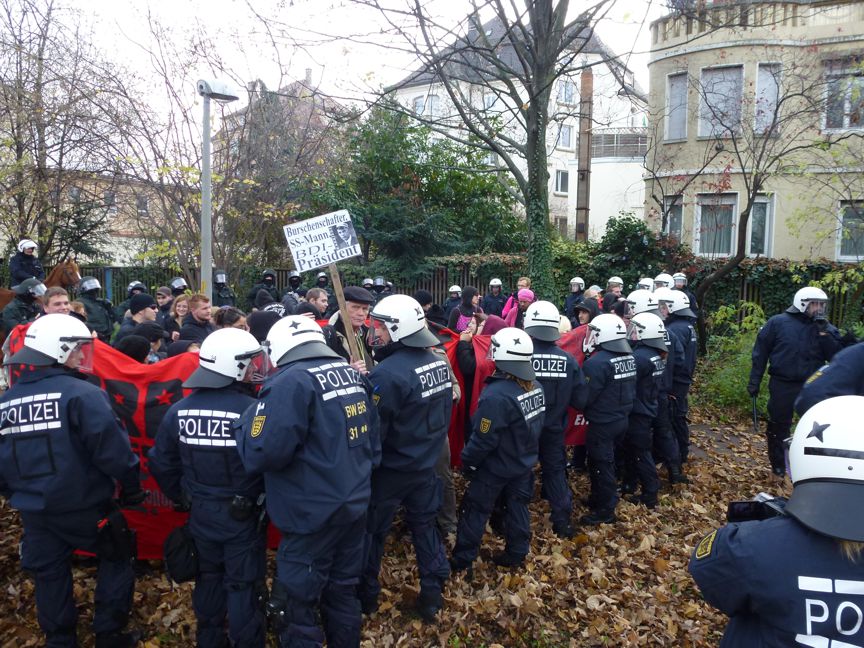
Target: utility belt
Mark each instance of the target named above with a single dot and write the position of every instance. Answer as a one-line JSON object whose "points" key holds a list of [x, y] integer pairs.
{"points": [[242, 509]]}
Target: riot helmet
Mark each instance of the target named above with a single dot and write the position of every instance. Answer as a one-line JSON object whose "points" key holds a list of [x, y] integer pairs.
{"points": [[228, 355]]}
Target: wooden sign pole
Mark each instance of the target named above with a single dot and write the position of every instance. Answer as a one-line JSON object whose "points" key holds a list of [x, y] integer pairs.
{"points": [[343, 315]]}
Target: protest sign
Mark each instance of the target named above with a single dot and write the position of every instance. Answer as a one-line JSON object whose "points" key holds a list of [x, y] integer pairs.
{"points": [[320, 241]]}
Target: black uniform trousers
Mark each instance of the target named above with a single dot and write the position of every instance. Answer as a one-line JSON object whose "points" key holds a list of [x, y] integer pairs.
{"points": [[477, 505], [232, 562], [600, 442], [421, 495], [48, 542], [678, 410], [664, 442], [553, 463], [316, 581], [781, 405], [639, 460]]}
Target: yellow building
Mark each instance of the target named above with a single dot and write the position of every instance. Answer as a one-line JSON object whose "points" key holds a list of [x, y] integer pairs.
{"points": [[756, 125]]}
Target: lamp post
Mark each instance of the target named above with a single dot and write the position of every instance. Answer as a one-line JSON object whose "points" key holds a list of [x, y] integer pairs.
{"points": [[220, 92]]}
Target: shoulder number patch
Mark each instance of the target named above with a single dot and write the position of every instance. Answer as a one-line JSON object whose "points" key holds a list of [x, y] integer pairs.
{"points": [[257, 426], [706, 544], [485, 425]]}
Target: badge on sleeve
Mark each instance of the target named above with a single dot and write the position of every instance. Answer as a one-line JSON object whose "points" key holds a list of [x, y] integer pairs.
{"points": [[485, 425], [706, 544], [257, 426], [376, 398]]}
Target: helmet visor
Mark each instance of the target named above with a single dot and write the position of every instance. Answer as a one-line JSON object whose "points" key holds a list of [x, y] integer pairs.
{"points": [[81, 354], [259, 366], [221, 278], [38, 290], [817, 308]]}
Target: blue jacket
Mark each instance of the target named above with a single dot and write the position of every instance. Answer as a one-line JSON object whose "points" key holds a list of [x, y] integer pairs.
{"points": [[844, 376], [683, 329], [313, 434], [506, 429], [195, 451], [23, 266], [573, 299], [450, 304], [562, 381], [493, 304], [674, 362], [414, 398], [781, 585], [650, 372], [61, 447], [790, 343], [611, 379]]}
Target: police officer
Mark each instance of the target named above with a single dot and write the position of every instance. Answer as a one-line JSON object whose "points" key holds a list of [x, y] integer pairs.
{"points": [[494, 300], [100, 312], [843, 376], [795, 579], [414, 399], [678, 319], [368, 283], [314, 436], [576, 296], [294, 294], [501, 453], [134, 288], [453, 300], [178, 286], [380, 289], [268, 283], [610, 372], [613, 293], [25, 305], [648, 336], [645, 283], [223, 296], [680, 283], [794, 344], [322, 281], [25, 264], [564, 386], [195, 463], [61, 450], [664, 280]]}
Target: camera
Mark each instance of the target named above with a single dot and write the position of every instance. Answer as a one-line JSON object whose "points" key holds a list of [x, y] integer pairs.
{"points": [[761, 507]]}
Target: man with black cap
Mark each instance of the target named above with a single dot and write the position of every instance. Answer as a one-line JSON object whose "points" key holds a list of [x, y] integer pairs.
{"points": [[196, 463], [143, 309], [358, 301], [164, 300]]}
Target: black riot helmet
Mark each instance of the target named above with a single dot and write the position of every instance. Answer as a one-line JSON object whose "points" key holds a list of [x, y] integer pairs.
{"points": [[134, 288], [379, 284], [220, 277], [294, 279]]}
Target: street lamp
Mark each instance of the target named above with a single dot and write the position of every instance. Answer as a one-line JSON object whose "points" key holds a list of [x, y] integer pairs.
{"points": [[219, 91]]}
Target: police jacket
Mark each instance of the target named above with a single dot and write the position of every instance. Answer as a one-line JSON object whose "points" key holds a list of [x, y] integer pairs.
{"points": [[192, 329], [61, 447], [19, 311], [844, 376], [413, 393], [313, 434], [570, 303], [224, 296], [683, 329], [100, 314], [506, 429], [23, 266], [674, 363], [450, 304], [611, 378], [196, 452], [807, 594], [650, 371], [253, 293], [493, 304], [790, 343], [562, 381]]}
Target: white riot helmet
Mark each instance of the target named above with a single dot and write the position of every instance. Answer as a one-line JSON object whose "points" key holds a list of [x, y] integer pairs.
{"points": [[456, 289], [607, 331], [579, 282], [681, 305], [805, 296], [495, 282], [56, 338], [642, 301], [405, 321], [295, 337], [228, 355], [89, 283], [648, 329], [615, 281], [665, 298], [646, 283], [826, 464], [511, 350], [679, 278], [542, 320], [663, 280], [27, 244]]}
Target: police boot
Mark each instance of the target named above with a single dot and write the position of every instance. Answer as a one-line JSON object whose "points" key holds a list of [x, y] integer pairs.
{"points": [[648, 501], [428, 604], [563, 529], [118, 639], [457, 566], [506, 559], [596, 519], [676, 476]]}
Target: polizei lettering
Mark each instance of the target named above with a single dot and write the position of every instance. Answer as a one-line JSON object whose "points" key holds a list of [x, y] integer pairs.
{"points": [[336, 379], [659, 365], [547, 365], [532, 403], [30, 414], [831, 604], [434, 378], [623, 367], [206, 427]]}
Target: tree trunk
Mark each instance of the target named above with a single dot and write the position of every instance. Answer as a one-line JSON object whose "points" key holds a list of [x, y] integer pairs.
{"points": [[537, 204]]}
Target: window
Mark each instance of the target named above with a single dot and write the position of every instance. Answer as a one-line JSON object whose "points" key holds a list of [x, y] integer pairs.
{"points": [[566, 92], [141, 204], [845, 101], [489, 100], [767, 95], [676, 106], [761, 226], [417, 105], [720, 101], [565, 137], [562, 182], [715, 231], [673, 206], [851, 244], [433, 105]]}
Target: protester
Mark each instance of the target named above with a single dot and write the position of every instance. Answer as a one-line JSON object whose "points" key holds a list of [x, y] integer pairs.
{"points": [[143, 309], [230, 317], [358, 301], [513, 300], [155, 335], [467, 310], [434, 312], [197, 324], [178, 311], [516, 317], [260, 322], [134, 346]]}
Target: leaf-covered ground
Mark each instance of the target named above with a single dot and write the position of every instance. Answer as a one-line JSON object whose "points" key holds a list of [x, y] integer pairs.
{"points": [[620, 585]]}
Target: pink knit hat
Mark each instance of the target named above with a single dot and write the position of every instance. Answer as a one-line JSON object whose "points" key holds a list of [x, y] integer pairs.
{"points": [[525, 294]]}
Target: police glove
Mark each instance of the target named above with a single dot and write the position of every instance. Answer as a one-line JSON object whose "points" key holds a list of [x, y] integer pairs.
{"points": [[132, 496], [753, 390], [469, 471]]}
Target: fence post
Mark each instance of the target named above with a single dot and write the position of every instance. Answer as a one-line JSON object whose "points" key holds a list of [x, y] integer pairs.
{"points": [[109, 288]]}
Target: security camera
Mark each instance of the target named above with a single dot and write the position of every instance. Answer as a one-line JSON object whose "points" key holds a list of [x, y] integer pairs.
{"points": [[218, 90]]}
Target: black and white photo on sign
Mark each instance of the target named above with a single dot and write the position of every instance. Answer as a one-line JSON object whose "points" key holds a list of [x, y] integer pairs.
{"points": [[344, 235]]}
